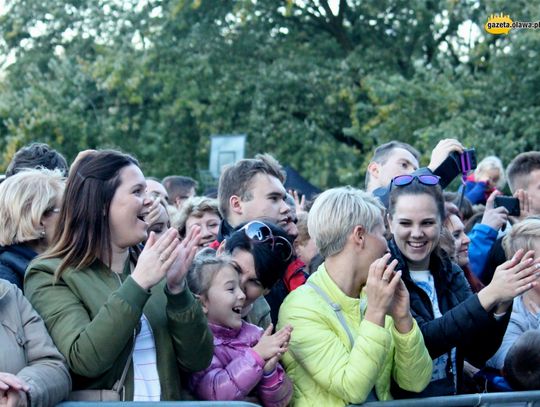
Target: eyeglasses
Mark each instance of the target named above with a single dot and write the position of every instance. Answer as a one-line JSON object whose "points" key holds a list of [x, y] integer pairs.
{"points": [[259, 232], [402, 180]]}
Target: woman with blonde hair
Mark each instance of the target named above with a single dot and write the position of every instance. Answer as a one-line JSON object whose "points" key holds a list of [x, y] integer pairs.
{"points": [[525, 316], [353, 333], [29, 205], [200, 212]]}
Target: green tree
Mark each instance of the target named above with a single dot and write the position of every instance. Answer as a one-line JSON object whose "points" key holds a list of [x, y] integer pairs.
{"points": [[317, 87]]}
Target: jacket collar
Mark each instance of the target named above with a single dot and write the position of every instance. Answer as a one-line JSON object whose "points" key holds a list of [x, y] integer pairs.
{"points": [[223, 332], [225, 230], [21, 249], [4, 289], [17, 257]]}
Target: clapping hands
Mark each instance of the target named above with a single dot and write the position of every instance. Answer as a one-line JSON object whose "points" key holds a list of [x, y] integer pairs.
{"points": [[166, 256], [387, 295], [272, 346]]}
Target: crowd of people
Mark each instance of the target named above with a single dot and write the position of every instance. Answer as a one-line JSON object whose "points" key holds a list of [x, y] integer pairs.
{"points": [[115, 287]]}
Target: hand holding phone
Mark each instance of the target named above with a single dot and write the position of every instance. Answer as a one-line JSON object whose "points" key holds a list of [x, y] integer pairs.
{"points": [[510, 203]]}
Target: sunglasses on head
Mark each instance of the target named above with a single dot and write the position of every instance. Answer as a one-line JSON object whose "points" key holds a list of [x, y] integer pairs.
{"points": [[259, 232], [402, 180]]}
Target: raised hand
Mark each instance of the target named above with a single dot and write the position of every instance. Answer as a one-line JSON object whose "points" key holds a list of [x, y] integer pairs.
{"points": [[156, 258], [381, 286], [183, 257], [511, 279], [400, 309], [154, 211], [299, 201], [494, 217], [442, 150], [272, 345]]}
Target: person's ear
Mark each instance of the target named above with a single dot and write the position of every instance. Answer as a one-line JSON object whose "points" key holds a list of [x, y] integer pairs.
{"points": [[204, 303], [266, 291], [358, 235], [235, 204], [374, 169]]}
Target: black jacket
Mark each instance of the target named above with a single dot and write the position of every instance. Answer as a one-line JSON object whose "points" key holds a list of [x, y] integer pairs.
{"points": [[464, 324], [13, 262]]}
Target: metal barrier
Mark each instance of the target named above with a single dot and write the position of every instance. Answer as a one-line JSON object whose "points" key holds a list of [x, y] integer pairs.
{"points": [[510, 399], [514, 399], [157, 404]]}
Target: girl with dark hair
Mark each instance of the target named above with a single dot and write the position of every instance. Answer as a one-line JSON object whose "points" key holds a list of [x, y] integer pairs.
{"points": [[112, 309], [450, 316], [263, 252]]}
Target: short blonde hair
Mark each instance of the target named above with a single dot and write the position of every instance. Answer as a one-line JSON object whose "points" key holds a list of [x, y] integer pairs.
{"points": [[303, 232], [523, 235], [196, 206], [336, 212], [489, 163], [24, 198]]}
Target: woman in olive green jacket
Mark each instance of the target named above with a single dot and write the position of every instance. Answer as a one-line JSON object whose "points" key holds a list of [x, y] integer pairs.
{"points": [[98, 293]]}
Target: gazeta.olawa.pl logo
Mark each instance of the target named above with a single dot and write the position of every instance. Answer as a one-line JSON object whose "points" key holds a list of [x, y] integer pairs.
{"points": [[498, 24]]}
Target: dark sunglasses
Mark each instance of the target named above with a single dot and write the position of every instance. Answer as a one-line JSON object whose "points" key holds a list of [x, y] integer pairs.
{"points": [[259, 232], [402, 180]]}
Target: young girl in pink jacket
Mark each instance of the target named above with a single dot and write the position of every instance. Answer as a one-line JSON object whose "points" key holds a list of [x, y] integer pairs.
{"points": [[245, 365]]}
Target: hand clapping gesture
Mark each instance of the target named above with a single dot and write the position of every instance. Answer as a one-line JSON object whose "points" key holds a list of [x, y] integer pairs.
{"points": [[387, 295], [166, 256], [272, 346]]}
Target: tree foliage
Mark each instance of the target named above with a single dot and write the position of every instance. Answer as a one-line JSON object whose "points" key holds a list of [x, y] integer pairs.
{"points": [[317, 83]]}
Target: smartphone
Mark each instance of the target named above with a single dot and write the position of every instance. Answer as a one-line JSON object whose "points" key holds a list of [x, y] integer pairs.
{"points": [[510, 203], [456, 164], [466, 161]]}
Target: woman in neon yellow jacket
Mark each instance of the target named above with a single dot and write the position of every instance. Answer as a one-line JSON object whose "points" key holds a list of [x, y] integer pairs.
{"points": [[353, 329]]}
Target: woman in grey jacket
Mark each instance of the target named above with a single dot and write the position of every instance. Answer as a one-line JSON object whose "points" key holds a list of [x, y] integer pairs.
{"points": [[32, 371]]}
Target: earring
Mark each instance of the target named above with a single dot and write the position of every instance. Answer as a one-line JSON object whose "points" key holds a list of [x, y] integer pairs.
{"points": [[42, 234]]}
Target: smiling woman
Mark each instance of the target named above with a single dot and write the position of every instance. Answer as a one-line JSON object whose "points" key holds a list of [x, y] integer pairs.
{"points": [[450, 316], [95, 280]]}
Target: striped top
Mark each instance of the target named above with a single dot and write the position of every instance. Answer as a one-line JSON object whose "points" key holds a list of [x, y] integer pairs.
{"points": [[147, 386]]}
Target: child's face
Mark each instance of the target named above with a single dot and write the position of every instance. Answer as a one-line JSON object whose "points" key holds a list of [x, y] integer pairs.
{"points": [[224, 300], [491, 176]]}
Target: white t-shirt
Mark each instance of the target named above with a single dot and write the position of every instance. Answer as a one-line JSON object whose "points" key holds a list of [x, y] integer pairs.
{"points": [[147, 386], [424, 279]]}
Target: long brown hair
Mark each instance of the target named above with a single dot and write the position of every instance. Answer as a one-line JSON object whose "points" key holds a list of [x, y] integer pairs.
{"points": [[83, 232]]}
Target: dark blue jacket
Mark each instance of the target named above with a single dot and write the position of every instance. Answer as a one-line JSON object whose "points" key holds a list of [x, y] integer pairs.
{"points": [[14, 260], [464, 324]]}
